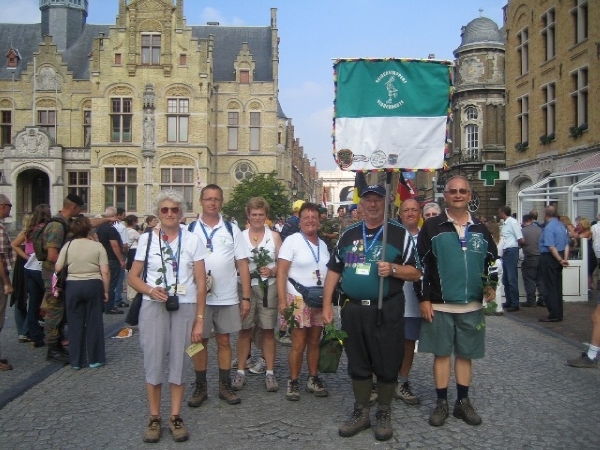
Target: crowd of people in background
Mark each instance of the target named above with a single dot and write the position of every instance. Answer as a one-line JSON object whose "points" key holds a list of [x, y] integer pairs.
{"points": [[224, 280]]}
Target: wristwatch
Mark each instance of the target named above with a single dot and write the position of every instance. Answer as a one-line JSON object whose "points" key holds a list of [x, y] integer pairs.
{"points": [[199, 317], [393, 269]]}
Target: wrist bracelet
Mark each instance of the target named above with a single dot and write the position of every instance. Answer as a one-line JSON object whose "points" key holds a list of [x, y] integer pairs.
{"points": [[246, 298]]}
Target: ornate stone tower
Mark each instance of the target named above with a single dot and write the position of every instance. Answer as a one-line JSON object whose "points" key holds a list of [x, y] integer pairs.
{"points": [[478, 132], [64, 20]]}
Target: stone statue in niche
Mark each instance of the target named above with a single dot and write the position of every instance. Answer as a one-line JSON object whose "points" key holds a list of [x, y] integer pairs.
{"points": [[148, 130]]}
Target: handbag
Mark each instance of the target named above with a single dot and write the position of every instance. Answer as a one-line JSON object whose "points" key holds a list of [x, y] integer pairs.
{"points": [[133, 314], [313, 295], [59, 280]]}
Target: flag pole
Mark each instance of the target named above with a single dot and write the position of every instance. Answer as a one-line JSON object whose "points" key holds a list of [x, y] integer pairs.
{"points": [[388, 183]]}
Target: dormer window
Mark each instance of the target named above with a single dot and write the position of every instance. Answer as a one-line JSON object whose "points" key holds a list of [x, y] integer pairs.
{"points": [[12, 58], [244, 76], [150, 49]]}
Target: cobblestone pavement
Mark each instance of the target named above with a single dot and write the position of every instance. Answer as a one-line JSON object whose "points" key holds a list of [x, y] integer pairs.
{"points": [[527, 396]]}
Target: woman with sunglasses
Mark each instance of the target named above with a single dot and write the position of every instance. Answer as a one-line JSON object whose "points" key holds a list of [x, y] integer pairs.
{"points": [[303, 257], [172, 311]]}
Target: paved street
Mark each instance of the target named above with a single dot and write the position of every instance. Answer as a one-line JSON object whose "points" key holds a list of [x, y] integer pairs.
{"points": [[527, 396]]}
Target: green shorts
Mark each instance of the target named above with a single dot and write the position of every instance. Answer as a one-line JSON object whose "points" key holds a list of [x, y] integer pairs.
{"points": [[450, 333]]}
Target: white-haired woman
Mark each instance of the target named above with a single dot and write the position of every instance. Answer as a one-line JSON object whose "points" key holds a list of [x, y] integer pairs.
{"points": [[174, 274]]}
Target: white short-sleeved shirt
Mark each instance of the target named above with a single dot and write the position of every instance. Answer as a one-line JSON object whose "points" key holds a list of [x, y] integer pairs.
{"points": [[191, 250], [511, 233], [269, 244], [226, 249], [303, 268], [122, 229]]}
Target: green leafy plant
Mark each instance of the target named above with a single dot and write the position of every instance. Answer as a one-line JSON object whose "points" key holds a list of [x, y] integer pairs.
{"points": [[334, 334], [290, 318], [547, 138], [521, 146], [577, 131], [262, 257]]}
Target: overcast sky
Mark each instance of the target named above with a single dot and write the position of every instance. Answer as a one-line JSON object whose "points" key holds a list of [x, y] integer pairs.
{"points": [[313, 32]]}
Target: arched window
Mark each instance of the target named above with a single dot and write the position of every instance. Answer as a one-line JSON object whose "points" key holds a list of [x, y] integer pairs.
{"points": [[471, 113]]}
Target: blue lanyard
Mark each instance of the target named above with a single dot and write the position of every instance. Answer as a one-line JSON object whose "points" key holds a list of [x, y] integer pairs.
{"points": [[364, 230], [317, 257], [208, 238], [176, 257]]}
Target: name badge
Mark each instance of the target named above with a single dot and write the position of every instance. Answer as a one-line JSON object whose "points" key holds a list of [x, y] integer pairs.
{"points": [[181, 289], [363, 269]]}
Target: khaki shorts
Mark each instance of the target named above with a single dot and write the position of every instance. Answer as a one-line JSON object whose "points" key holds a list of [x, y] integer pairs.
{"points": [[259, 315], [223, 319], [456, 333]]}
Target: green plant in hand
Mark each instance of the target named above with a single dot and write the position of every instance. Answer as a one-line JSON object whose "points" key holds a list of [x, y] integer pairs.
{"points": [[332, 333], [261, 258], [489, 287], [290, 318]]}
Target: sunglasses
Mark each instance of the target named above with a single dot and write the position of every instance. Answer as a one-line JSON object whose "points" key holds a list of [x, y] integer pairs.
{"points": [[431, 214], [461, 191], [166, 209]]}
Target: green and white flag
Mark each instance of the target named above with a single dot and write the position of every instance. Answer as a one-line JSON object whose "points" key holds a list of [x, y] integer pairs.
{"points": [[391, 113]]}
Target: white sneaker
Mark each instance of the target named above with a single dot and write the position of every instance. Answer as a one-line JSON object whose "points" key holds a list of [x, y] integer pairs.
{"points": [[259, 367]]}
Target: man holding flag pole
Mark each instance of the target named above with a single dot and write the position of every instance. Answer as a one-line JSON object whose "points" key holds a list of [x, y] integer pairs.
{"points": [[389, 115]]}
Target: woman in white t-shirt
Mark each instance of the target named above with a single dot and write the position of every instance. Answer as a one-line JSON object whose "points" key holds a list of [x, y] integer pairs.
{"points": [[175, 268], [303, 257]]}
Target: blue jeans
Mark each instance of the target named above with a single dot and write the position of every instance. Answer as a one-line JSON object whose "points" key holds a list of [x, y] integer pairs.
{"points": [[115, 267], [35, 289], [510, 276], [119, 287]]}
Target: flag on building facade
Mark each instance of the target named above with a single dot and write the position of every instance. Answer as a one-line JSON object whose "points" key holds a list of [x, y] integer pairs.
{"points": [[391, 113], [405, 190]]}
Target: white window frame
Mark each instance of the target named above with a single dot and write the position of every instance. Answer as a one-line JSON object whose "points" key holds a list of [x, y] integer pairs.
{"points": [[178, 117]]}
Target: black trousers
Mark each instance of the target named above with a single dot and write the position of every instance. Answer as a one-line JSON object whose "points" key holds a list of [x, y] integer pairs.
{"points": [[373, 348], [553, 285]]}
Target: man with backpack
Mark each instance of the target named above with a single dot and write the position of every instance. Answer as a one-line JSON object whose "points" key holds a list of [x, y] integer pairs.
{"points": [[52, 238], [224, 312]]}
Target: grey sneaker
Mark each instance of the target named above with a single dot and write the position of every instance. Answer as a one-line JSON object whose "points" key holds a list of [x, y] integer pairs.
{"points": [[465, 411], [227, 393], [404, 393], [293, 390], [583, 361], [234, 363], [359, 420], [178, 429], [439, 414], [374, 395], [199, 395], [259, 367], [316, 386], [383, 428], [285, 339], [238, 381], [271, 383], [153, 430]]}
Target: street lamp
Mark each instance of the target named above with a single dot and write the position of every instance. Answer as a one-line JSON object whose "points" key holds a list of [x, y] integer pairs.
{"points": [[294, 191], [275, 191]]}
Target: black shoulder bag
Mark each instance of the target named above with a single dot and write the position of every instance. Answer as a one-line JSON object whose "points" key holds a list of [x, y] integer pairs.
{"points": [[133, 315]]}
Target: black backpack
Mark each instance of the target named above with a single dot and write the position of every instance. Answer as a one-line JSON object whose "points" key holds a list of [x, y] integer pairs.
{"points": [[37, 236]]}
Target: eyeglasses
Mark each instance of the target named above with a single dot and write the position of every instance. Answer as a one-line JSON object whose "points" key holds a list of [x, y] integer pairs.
{"points": [[166, 209], [7, 204], [212, 200], [461, 191], [431, 214]]}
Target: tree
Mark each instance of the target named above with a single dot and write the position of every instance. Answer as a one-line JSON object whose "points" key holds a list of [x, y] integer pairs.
{"points": [[260, 185]]}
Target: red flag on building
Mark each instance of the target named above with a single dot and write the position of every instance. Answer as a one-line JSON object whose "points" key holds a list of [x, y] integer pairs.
{"points": [[324, 199], [405, 191]]}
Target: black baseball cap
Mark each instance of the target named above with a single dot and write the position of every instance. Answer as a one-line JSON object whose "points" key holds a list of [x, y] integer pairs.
{"points": [[74, 198], [375, 189]]}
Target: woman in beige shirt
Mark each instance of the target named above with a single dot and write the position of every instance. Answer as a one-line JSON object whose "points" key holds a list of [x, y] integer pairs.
{"points": [[85, 291]]}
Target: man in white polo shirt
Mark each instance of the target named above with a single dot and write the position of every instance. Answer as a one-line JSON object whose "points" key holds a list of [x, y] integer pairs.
{"points": [[512, 236], [223, 312]]}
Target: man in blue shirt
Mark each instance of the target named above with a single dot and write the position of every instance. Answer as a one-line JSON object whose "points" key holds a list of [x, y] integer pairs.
{"points": [[554, 249]]}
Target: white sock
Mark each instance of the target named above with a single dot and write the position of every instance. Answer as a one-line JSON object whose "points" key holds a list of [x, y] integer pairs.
{"points": [[270, 372], [592, 351], [241, 371]]}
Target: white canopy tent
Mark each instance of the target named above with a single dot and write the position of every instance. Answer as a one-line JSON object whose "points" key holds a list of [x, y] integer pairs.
{"points": [[574, 192]]}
